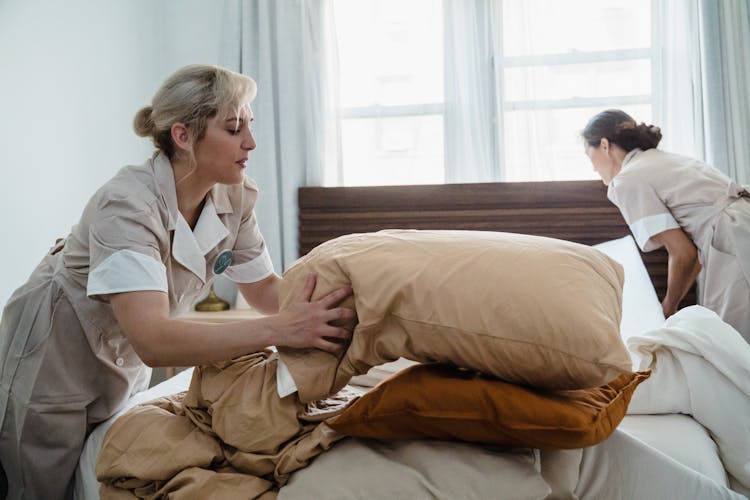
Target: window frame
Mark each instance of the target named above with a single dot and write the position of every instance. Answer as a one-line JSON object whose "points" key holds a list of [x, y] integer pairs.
{"points": [[497, 73]]}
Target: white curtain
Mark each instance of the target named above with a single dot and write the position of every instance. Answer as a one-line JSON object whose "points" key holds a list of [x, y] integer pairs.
{"points": [[676, 78], [700, 93], [725, 37], [701, 81], [285, 45], [472, 136]]}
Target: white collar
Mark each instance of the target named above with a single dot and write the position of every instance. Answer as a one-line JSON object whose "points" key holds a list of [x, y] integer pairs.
{"points": [[190, 246]]}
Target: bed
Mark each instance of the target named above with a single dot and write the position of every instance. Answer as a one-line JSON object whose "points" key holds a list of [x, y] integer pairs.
{"points": [[686, 434]]}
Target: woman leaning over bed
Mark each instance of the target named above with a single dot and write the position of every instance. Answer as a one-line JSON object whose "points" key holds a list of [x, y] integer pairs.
{"points": [[696, 212], [104, 303]]}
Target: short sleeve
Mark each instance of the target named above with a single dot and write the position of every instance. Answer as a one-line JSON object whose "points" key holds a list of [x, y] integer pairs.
{"points": [[124, 250], [251, 262], [643, 210]]}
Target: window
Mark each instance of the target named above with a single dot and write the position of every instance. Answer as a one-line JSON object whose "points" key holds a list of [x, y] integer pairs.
{"points": [[562, 62], [558, 64], [391, 91]]}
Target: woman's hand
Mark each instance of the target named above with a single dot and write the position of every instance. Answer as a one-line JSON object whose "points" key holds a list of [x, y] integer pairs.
{"points": [[311, 324], [668, 308], [683, 267]]}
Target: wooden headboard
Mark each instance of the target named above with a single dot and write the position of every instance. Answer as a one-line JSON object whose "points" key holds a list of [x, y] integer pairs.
{"points": [[571, 210]]}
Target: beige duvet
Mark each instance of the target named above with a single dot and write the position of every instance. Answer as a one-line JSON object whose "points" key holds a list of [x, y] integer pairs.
{"points": [[229, 436]]}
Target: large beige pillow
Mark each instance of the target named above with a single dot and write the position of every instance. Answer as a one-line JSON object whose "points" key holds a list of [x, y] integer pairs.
{"points": [[529, 310]]}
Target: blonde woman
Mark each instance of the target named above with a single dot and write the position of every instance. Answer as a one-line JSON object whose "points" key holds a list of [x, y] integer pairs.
{"points": [[693, 210], [77, 339]]}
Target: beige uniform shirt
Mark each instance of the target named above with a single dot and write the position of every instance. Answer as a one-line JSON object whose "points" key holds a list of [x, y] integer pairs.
{"points": [[64, 361], [657, 191]]}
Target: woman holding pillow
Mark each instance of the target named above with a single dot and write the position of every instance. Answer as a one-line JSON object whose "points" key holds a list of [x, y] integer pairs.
{"points": [[697, 213], [105, 302]]}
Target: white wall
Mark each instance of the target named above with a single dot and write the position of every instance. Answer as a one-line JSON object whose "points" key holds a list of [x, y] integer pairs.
{"points": [[72, 76], [192, 32]]}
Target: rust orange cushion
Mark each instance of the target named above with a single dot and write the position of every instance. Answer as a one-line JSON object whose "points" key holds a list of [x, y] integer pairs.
{"points": [[443, 402]]}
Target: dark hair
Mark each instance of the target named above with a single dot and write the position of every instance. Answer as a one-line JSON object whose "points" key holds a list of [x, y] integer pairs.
{"points": [[619, 128]]}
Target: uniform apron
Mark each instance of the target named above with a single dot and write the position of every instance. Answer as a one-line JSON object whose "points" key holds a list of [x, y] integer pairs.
{"points": [[657, 191], [726, 257]]}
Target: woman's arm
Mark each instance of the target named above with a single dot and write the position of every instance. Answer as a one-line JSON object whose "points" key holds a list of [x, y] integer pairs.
{"points": [[682, 268], [161, 341], [262, 295]]}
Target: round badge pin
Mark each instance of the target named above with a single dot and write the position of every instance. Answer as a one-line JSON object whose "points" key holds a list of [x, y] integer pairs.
{"points": [[222, 262]]}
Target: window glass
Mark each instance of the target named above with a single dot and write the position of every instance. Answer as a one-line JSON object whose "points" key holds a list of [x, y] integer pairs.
{"points": [[533, 27], [400, 150], [565, 81], [390, 51], [562, 62], [545, 145]]}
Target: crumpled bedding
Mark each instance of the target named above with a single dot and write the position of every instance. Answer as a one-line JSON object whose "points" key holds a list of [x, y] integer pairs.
{"points": [[700, 367], [228, 435]]}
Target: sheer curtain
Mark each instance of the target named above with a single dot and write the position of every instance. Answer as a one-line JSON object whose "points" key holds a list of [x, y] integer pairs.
{"points": [[472, 136], [677, 83], [700, 87], [702, 79], [725, 37], [286, 46]]}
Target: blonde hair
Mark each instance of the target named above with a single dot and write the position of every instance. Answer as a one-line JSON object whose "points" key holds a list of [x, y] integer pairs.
{"points": [[191, 96]]}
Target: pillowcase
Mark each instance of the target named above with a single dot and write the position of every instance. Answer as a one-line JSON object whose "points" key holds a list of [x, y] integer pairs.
{"points": [[641, 309], [442, 402], [527, 309]]}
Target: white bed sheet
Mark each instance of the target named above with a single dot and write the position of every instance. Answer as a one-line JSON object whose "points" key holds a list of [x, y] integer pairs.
{"points": [[701, 367], [681, 438], [624, 466]]}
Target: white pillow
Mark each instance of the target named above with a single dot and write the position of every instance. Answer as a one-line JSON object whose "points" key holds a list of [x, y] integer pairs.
{"points": [[641, 309]]}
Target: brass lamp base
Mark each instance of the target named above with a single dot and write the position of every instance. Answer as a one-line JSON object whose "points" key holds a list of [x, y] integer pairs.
{"points": [[212, 303]]}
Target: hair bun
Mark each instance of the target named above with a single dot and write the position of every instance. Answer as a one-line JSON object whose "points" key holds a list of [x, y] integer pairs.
{"points": [[143, 123], [649, 136]]}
